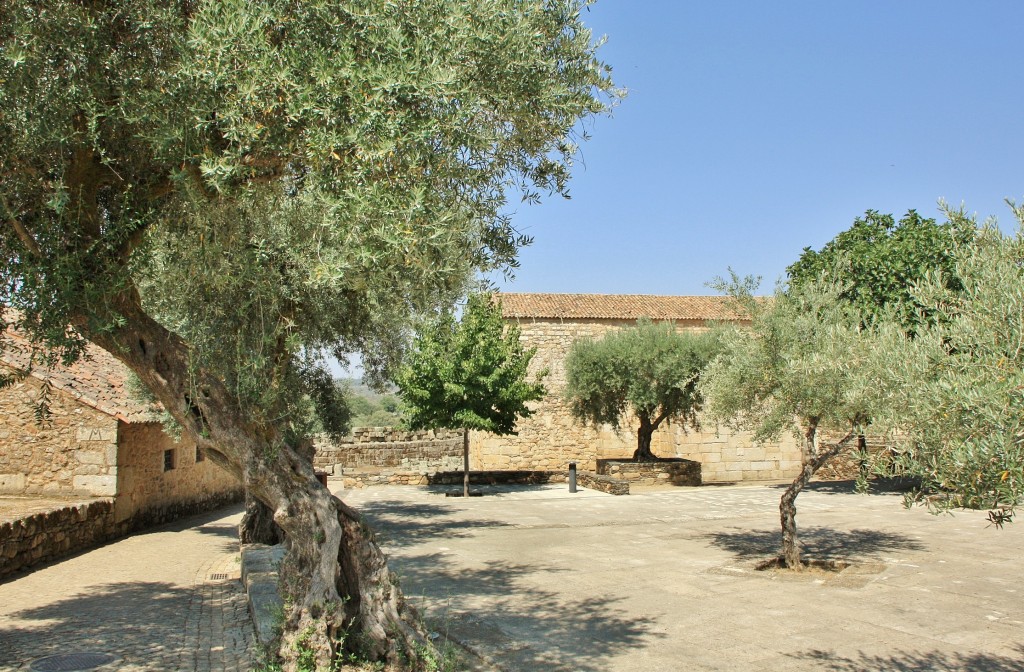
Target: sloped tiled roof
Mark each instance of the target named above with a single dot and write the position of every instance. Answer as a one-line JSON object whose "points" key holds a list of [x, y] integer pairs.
{"points": [[617, 306], [96, 380]]}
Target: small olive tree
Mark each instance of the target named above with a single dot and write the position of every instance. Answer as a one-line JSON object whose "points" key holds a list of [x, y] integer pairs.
{"points": [[650, 370], [808, 365], [469, 374]]}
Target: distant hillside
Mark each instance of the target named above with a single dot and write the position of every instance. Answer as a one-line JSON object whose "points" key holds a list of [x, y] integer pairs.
{"points": [[371, 408]]}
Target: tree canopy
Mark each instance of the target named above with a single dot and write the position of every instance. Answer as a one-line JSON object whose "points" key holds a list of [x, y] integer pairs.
{"points": [[879, 261], [218, 192], [650, 370], [469, 373], [372, 409]]}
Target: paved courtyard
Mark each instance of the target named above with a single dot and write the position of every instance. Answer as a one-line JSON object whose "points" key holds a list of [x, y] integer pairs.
{"points": [[539, 579], [165, 600], [534, 578]]}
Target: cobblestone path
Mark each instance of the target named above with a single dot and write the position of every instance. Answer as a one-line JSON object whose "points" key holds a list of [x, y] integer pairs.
{"points": [[164, 600]]}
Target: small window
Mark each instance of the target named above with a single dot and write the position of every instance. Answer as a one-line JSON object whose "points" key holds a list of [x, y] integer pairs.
{"points": [[168, 460], [200, 455]]}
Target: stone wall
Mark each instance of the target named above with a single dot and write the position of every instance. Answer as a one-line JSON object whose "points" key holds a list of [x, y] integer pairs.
{"points": [[53, 534], [74, 453], [674, 472], [550, 438], [148, 494], [384, 449], [361, 479]]}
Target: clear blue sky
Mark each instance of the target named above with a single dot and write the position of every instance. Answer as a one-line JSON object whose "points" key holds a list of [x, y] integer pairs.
{"points": [[754, 129]]}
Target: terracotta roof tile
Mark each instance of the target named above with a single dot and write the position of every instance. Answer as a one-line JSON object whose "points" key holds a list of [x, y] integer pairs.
{"points": [[97, 379], [617, 306]]}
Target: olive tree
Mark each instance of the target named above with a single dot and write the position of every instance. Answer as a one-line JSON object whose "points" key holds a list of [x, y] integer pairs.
{"points": [[806, 365], [650, 370], [959, 405], [217, 192], [469, 374]]}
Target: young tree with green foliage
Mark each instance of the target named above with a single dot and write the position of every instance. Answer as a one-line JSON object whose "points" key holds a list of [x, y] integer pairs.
{"points": [[469, 374], [216, 191], [650, 370], [806, 365], [959, 404]]}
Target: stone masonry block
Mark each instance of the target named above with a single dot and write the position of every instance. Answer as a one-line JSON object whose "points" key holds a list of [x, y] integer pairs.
{"points": [[12, 483], [90, 457], [96, 485], [104, 435]]}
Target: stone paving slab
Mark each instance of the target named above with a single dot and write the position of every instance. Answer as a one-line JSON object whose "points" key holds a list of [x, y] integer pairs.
{"points": [[666, 580], [164, 600]]}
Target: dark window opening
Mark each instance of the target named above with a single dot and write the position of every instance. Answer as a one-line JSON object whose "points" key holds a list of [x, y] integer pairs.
{"points": [[168, 460]]}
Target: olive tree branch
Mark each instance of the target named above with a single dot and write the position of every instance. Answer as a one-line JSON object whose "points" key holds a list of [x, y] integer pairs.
{"points": [[26, 237]]}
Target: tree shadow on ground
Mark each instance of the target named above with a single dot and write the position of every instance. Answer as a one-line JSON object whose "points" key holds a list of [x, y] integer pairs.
{"points": [[819, 542], [397, 523], [876, 486], [917, 662], [504, 612], [139, 620], [488, 490]]}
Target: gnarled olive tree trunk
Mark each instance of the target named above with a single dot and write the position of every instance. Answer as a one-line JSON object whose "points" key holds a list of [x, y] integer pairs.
{"points": [[335, 577], [811, 460], [644, 436], [258, 526]]}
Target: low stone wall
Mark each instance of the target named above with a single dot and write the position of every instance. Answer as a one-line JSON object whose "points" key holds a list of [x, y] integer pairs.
{"points": [[260, 576], [59, 532], [499, 477], [675, 472], [363, 478], [54, 534], [602, 483], [173, 511], [385, 449]]}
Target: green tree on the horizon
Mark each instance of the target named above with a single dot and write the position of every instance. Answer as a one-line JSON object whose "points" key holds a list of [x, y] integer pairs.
{"points": [[214, 192], [374, 410], [469, 374]]}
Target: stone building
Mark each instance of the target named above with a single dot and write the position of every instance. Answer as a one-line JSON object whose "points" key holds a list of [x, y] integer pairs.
{"points": [[550, 438], [98, 442]]}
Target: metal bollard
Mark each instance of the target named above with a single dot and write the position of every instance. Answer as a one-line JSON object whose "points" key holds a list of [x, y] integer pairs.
{"points": [[572, 477]]}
